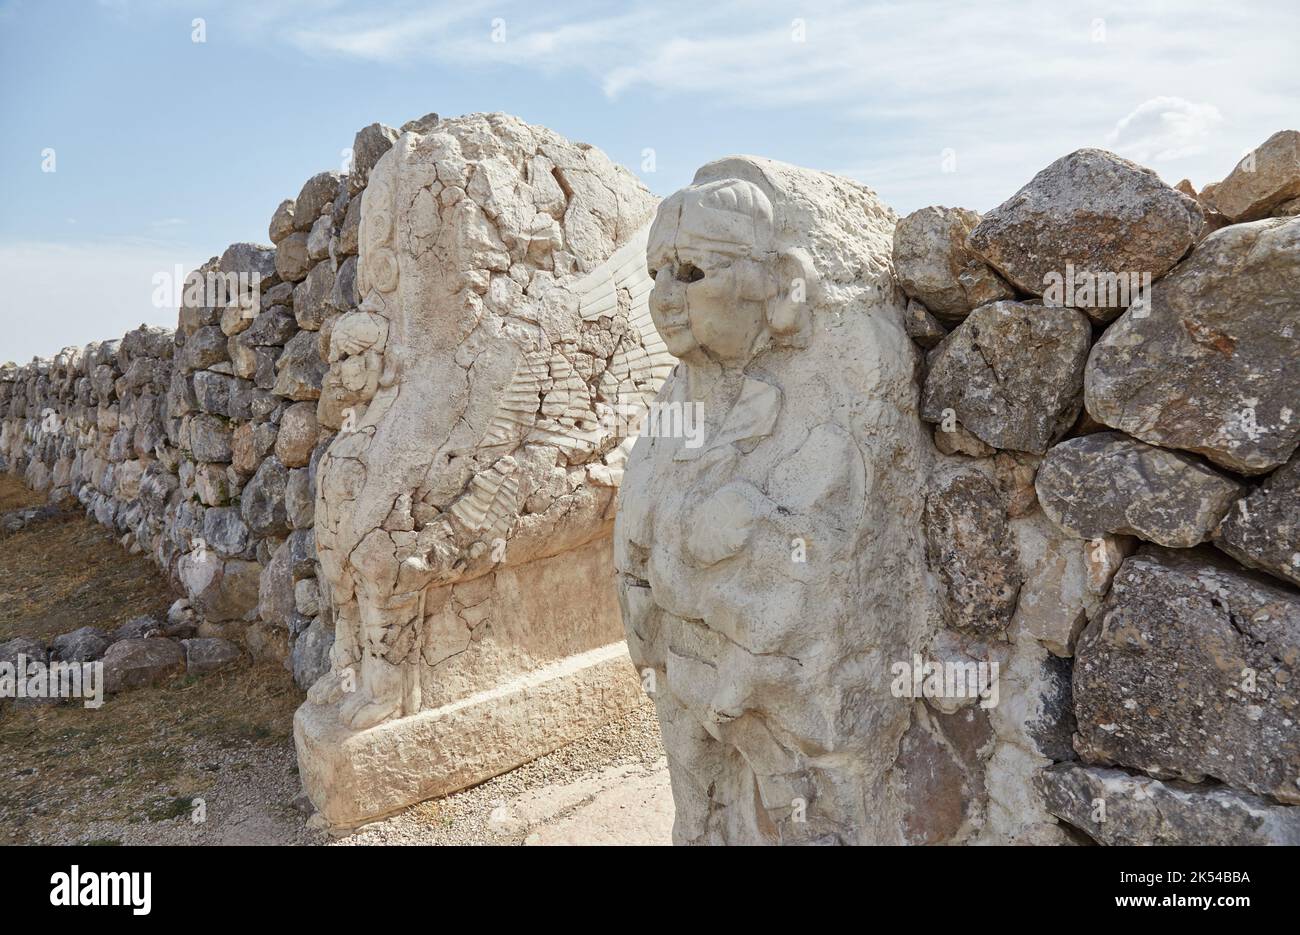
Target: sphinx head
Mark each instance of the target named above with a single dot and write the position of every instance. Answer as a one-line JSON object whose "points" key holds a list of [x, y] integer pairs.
{"points": [[724, 286]]}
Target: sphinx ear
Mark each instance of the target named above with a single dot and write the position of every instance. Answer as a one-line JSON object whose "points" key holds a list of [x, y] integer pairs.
{"points": [[797, 284]]}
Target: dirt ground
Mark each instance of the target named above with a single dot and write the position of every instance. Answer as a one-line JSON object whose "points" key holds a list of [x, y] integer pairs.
{"points": [[211, 760], [67, 572]]}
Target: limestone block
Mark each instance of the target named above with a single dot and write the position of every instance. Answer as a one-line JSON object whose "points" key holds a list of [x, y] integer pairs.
{"points": [[502, 326], [1210, 367], [772, 567]]}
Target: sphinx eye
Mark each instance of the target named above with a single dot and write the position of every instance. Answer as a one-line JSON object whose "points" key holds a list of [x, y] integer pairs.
{"points": [[688, 272]]}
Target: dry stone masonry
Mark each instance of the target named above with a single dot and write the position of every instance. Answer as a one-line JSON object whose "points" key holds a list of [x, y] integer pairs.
{"points": [[942, 529]]}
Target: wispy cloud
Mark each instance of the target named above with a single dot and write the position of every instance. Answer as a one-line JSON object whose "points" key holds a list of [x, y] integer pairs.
{"points": [[1182, 86]]}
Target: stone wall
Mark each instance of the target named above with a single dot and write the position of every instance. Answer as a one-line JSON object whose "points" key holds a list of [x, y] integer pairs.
{"points": [[199, 446], [1130, 525], [1074, 615], [1079, 488]]}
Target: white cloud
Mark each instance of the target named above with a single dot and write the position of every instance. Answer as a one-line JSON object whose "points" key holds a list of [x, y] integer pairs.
{"points": [[1165, 128], [60, 295], [1164, 81]]}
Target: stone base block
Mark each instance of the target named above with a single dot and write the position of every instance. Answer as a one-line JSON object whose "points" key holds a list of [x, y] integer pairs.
{"points": [[355, 777]]}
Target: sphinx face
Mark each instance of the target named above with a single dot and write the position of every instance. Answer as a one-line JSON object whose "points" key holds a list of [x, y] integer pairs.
{"points": [[710, 295]]}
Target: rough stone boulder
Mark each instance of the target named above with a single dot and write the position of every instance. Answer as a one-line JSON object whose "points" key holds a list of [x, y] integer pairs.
{"points": [[204, 655], [1011, 374], [1091, 212], [970, 548], [1108, 484], [82, 645], [134, 663], [1263, 529], [1117, 808], [934, 267], [1189, 671], [1211, 366], [1267, 178]]}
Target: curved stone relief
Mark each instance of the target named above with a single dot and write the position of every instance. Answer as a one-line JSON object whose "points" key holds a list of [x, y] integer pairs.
{"points": [[464, 509], [770, 575]]}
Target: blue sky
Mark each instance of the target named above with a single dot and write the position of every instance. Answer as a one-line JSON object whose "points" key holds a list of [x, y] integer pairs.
{"points": [[166, 149]]}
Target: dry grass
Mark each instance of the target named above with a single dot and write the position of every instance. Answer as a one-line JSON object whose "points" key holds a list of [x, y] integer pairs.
{"points": [[67, 572], [14, 494], [133, 766], [142, 757]]}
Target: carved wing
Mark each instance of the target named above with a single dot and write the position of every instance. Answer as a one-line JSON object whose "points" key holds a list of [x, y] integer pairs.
{"points": [[547, 401]]}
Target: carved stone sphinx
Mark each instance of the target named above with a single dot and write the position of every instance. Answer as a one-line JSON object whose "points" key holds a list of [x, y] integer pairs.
{"points": [[771, 576], [464, 510]]}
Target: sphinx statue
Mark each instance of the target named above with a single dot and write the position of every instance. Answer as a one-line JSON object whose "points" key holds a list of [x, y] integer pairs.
{"points": [[465, 508], [770, 576]]}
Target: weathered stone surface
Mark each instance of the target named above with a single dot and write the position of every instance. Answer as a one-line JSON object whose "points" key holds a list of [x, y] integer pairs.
{"points": [[317, 192], [1266, 178], [740, 634], [138, 628], [182, 621], [212, 391], [275, 600], [306, 597], [1263, 529], [1094, 211], [300, 499], [291, 259], [922, 327], [1011, 373], [262, 504], [1054, 598], [311, 297], [133, 663], [1140, 811], [83, 645], [204, 655], [33, 650], [318, 241], [224, 530], [310, 657], [958, 441], [250, 443], [1211, 368], [272, 328], [1015, 472], [300, 370], [210, 438], [251, 259], [204, 348], [970, 548], [346, 244], [1107, 483], [219, 589], [298, 434], [1189, 671], [513, 293], [930, 256], [282, 222], [368, 145]]}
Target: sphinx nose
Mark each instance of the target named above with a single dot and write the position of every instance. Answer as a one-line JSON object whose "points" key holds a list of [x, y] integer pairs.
{"points": [[668, 293]]}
